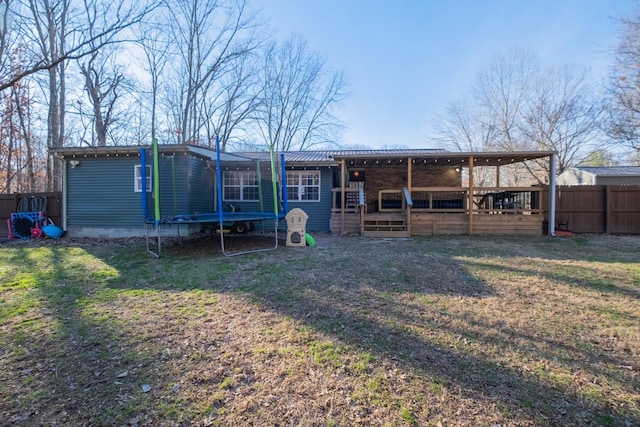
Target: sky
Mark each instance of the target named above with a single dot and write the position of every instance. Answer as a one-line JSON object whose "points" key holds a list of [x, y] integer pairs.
{"points": [[405, 60]]}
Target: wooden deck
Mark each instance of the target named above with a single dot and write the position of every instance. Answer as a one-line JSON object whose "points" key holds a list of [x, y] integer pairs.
{"points": [[425, 224], [499, 211]]}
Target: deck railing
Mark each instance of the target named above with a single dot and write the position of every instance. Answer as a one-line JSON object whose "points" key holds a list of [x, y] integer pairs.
{"points": [[439, 210], [485, 200], [351, 200], [507, 200]]}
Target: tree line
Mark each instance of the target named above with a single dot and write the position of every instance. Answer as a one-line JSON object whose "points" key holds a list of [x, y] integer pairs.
{"points": [[100, 73]]}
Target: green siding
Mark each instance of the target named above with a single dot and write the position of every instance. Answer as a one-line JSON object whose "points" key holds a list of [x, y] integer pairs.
{"points": [[100, 191], [319, 212], [174, 197], [201, 190]]}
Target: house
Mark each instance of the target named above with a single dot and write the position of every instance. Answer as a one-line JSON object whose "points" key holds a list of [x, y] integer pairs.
{"points": [[600, 175], [377, 193], [107, 190]]}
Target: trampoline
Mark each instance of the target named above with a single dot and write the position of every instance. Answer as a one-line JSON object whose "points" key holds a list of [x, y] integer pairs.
{"points": [[223, 220]]}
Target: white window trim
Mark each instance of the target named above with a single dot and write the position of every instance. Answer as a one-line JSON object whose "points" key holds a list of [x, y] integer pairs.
{"points": [[137, 178], [298, 173], [242, 174]]}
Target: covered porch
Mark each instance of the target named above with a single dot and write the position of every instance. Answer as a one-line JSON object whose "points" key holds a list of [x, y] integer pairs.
{"points": [[422, 193]]}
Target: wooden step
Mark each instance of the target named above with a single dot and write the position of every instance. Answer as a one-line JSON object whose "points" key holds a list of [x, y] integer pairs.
{"points": [[391, 226], [385, 234]]}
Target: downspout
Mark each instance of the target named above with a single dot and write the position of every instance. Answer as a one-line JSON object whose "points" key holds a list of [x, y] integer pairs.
{"points": [[342, 195], [409, 171], [470, 196], [64, 195], [552, 196]]}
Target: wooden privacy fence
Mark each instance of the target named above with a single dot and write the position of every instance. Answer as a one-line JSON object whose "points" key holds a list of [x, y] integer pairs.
{"points": [[9, 203], [611, 209]]}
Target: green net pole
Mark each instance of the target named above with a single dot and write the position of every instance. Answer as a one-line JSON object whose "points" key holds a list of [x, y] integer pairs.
{"points": [[274, 182], [173, 175], [259, 176], [156, 181]]}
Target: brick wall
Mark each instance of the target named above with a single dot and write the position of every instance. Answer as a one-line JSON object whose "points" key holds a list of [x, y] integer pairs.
{"points": [[395, 177]]}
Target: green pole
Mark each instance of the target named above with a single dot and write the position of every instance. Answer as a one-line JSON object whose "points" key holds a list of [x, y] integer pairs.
{"points": [[156, 181], [259, 177], [173, 175], [274, 182]]}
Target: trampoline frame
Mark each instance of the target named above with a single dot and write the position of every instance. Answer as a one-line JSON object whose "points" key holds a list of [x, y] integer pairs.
{"points": [[219, 218]]}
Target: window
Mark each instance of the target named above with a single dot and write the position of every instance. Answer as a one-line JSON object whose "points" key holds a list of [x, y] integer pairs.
{"points": [[303, 185], [137, 184], [240, 186]]}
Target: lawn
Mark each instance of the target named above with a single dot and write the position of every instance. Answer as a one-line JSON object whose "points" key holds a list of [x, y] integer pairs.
{"points": [[433, 331]]}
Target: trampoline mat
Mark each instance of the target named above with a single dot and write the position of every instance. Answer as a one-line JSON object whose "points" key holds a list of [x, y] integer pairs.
{"points": [[22, 227]]}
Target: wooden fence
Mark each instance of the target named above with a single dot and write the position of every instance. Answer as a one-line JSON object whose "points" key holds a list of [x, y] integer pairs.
{"points": [[611, 209], [9, 203]]}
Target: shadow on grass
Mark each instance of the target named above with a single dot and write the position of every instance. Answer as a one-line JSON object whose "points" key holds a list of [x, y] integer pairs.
{"points": [[349, 313], [59, 366], [353, 296], [345, 294]]}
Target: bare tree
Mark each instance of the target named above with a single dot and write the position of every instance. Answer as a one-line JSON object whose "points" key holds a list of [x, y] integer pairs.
{"points": [[103, 77], [503, 90], [49, 31], [624, 87], [517, 106], [18, 150], [210, 36], [464, 127], [6, 41], [54, 32], [156, 43], [230, 106], [103, 80], [564, 114], [51, 23], [298, 98]]}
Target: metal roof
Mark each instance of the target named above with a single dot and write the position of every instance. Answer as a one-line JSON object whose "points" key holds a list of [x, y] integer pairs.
{"points": [[294, 156], [325, 157], [611, 170], [129, 150], [441, 157], [396, 157]]}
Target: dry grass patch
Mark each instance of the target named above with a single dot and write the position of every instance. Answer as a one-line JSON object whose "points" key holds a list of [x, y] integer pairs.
{"points": [[429, 331]]}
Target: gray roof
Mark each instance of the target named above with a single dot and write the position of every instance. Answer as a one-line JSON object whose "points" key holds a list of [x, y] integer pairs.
{"points": [[292, 156], [428, 156], [611, 170], [331, 156], [166, 149]]}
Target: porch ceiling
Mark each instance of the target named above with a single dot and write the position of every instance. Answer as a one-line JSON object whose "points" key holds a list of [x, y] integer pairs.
{"points": [[444, 158]]}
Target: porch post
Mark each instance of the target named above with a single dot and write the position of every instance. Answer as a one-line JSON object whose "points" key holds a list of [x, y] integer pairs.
{"points": [[498, 176], [342, 195], [470, 196], [65, 195], [552, 196]]}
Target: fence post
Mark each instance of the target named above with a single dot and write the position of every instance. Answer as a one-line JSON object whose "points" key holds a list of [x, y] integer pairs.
{"points": [[607, 209]]}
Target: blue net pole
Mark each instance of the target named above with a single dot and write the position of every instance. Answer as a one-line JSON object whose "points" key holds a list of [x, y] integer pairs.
{"points": [[274, 183], [285, 197], [156, 182], [143, 177], [219, 179]]}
